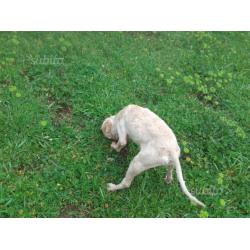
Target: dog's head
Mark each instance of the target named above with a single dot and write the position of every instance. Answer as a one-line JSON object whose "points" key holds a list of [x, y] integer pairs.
{"points": [[107, 128]]}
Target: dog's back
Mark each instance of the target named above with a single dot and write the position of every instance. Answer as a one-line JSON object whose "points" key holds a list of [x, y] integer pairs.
{"points": [[144, 126]]}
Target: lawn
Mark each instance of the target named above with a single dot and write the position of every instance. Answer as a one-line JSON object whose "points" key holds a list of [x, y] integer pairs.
{"points": [[56, 88]]}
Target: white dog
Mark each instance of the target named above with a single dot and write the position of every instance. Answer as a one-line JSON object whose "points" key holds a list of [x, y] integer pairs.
{"points": [[158, 144]]}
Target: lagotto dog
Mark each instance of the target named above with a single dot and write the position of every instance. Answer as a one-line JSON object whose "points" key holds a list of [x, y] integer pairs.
{"points": [[158, 145]]}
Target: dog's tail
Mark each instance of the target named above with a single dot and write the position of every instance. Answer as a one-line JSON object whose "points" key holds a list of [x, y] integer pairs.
{"points": [[183, 185]]}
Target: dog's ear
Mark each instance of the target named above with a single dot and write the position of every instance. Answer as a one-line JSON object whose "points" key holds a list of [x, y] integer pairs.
{"points": [[108, 126]]}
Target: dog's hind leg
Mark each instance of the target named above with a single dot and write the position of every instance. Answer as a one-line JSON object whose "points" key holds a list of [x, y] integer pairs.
{"points": [[140, 163], [135, 168], [169, 176]]}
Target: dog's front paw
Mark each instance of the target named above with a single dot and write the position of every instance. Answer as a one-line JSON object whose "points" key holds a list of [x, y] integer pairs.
{"points": [[115, 146], [111, 187]]}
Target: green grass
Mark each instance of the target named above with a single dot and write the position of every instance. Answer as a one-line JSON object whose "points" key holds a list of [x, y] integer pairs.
{"points": [[54, 161]]}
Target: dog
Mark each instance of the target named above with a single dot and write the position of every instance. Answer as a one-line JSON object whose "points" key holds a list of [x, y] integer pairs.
{"points": [[158, 145]]}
